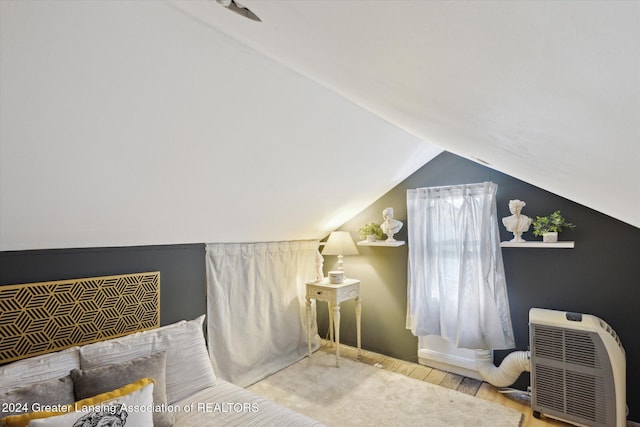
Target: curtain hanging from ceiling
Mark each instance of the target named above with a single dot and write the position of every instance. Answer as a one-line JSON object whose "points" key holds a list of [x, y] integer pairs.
{"points": [[456, 282], [256, 314]]}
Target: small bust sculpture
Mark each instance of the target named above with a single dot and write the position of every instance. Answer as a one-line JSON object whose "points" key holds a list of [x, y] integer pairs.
{"points": [[390, 226], [517, 223]]}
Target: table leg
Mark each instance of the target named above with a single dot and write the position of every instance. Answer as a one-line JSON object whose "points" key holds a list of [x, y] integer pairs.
{"points": [[336, 320], [330, 323], [358, 330], [308, 303]]}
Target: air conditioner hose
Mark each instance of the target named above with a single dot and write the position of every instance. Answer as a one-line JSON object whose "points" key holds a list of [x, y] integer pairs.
{"points": [[509, 370]]}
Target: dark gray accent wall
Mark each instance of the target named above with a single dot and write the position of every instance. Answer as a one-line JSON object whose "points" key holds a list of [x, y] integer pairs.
{"points": [[601, 276], [181, 267]]}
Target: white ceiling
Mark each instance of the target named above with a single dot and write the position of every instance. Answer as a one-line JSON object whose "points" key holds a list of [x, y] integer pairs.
{"points": [[132, 123], [548, 92]]}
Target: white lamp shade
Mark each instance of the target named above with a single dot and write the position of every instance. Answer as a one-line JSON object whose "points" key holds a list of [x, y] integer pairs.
{"points": [[340, 243]]}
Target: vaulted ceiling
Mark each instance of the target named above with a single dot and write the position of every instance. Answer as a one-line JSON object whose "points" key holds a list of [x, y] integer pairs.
{"points": [[548, 92], [128, 123]]}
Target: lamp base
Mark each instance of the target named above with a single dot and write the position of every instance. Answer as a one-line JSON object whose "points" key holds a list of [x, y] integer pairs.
{"points": [[336, 277]]}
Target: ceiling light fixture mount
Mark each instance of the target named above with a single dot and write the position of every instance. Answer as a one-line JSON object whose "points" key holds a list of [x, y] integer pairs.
{"points": [[482, 161], [236, 7]]}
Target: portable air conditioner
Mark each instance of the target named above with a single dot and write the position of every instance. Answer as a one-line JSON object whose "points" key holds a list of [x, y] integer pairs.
{"points": [[578, 369]]}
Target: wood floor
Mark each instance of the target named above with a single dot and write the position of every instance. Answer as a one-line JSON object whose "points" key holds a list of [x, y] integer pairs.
{"points": [[466, 385]]}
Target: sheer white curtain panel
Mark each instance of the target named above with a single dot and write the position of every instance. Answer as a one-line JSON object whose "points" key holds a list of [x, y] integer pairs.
{"points": [[256, 318], [456, 282]]}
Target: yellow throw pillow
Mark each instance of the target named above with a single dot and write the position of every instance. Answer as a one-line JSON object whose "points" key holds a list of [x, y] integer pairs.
{"points": [[24, 419]]}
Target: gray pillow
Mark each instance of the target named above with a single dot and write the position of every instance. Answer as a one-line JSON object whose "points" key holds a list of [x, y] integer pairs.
{"points": [[58, 391], [91, 382]]}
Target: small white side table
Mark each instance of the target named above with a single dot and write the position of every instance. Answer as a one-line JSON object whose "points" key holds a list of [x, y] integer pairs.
{"points": [[334, 294]]}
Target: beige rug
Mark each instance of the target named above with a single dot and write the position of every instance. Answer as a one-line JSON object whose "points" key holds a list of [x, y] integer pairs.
{"points": [[357, 394]]}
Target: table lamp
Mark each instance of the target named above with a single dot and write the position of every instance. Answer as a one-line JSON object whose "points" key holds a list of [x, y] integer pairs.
{"points": [[340, 243]]}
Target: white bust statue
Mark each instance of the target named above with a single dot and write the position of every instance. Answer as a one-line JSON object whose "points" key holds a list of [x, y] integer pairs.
{"points": [[517, 223], [390, 226]]}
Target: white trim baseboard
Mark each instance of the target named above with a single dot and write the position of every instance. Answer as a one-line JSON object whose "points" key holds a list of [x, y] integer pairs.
{"points": [[450, 363]]}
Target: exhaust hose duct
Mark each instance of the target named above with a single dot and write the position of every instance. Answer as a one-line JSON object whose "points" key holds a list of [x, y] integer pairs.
{"points": [[509, 370]]}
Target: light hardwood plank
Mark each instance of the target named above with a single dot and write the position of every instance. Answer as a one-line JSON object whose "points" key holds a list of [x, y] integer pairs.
{"points": [[371, 358], [400, 366], [469, 386], [451, 381], [421, 372], [435, 376]]}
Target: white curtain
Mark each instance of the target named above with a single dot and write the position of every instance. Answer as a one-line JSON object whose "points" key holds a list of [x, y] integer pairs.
{"points": [[256, 307], [457, 286]]}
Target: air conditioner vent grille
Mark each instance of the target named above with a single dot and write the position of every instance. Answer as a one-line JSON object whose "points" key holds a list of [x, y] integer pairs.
{"points": [[547, 342], [580, 349], [586, 397], [604, 325], [565, 345], [549, 387]]}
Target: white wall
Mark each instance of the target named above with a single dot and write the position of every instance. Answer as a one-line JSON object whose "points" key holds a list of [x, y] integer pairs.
{"points": [[130, 123]]}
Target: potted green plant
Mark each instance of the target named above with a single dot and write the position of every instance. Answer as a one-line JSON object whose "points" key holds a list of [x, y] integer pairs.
{"points": [[371, 232], [549, 226]]}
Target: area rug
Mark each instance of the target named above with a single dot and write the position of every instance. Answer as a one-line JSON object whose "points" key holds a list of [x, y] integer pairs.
{"points": [[357, 394]]}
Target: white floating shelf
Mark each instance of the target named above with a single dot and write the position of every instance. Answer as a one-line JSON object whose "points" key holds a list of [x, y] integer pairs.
{"points": [[538, 244], [381, 243]]}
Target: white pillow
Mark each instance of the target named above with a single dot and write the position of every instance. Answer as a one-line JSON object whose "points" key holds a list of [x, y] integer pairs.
{"points": [[188, 367], [39, 368], [132, 407]]}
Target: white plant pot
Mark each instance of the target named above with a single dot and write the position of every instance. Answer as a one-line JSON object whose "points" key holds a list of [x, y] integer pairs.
{"points": [[371, 238], [550, 237]]}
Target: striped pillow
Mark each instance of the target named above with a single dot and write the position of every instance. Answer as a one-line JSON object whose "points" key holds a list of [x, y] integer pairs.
{"points": [[188, 367]]}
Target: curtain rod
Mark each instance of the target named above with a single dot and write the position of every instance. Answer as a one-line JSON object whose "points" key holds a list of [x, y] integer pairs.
{"points": [[461, 186]]}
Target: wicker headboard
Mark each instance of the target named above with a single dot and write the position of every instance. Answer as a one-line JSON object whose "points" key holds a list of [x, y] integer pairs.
{"points": [[38, 318]]}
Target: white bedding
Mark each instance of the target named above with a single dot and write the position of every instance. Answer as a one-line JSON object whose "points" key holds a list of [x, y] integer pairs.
{"points": [[226, 404]]}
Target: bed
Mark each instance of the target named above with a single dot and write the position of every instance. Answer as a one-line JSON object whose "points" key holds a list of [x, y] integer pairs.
{"points": [[144, 376]]}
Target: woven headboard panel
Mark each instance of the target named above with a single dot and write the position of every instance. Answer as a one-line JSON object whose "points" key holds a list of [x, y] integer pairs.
{"points": [[37, 318]]}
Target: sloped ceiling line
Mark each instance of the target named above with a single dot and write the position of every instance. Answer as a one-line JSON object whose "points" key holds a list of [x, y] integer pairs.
{"points": [[547, 92]]}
